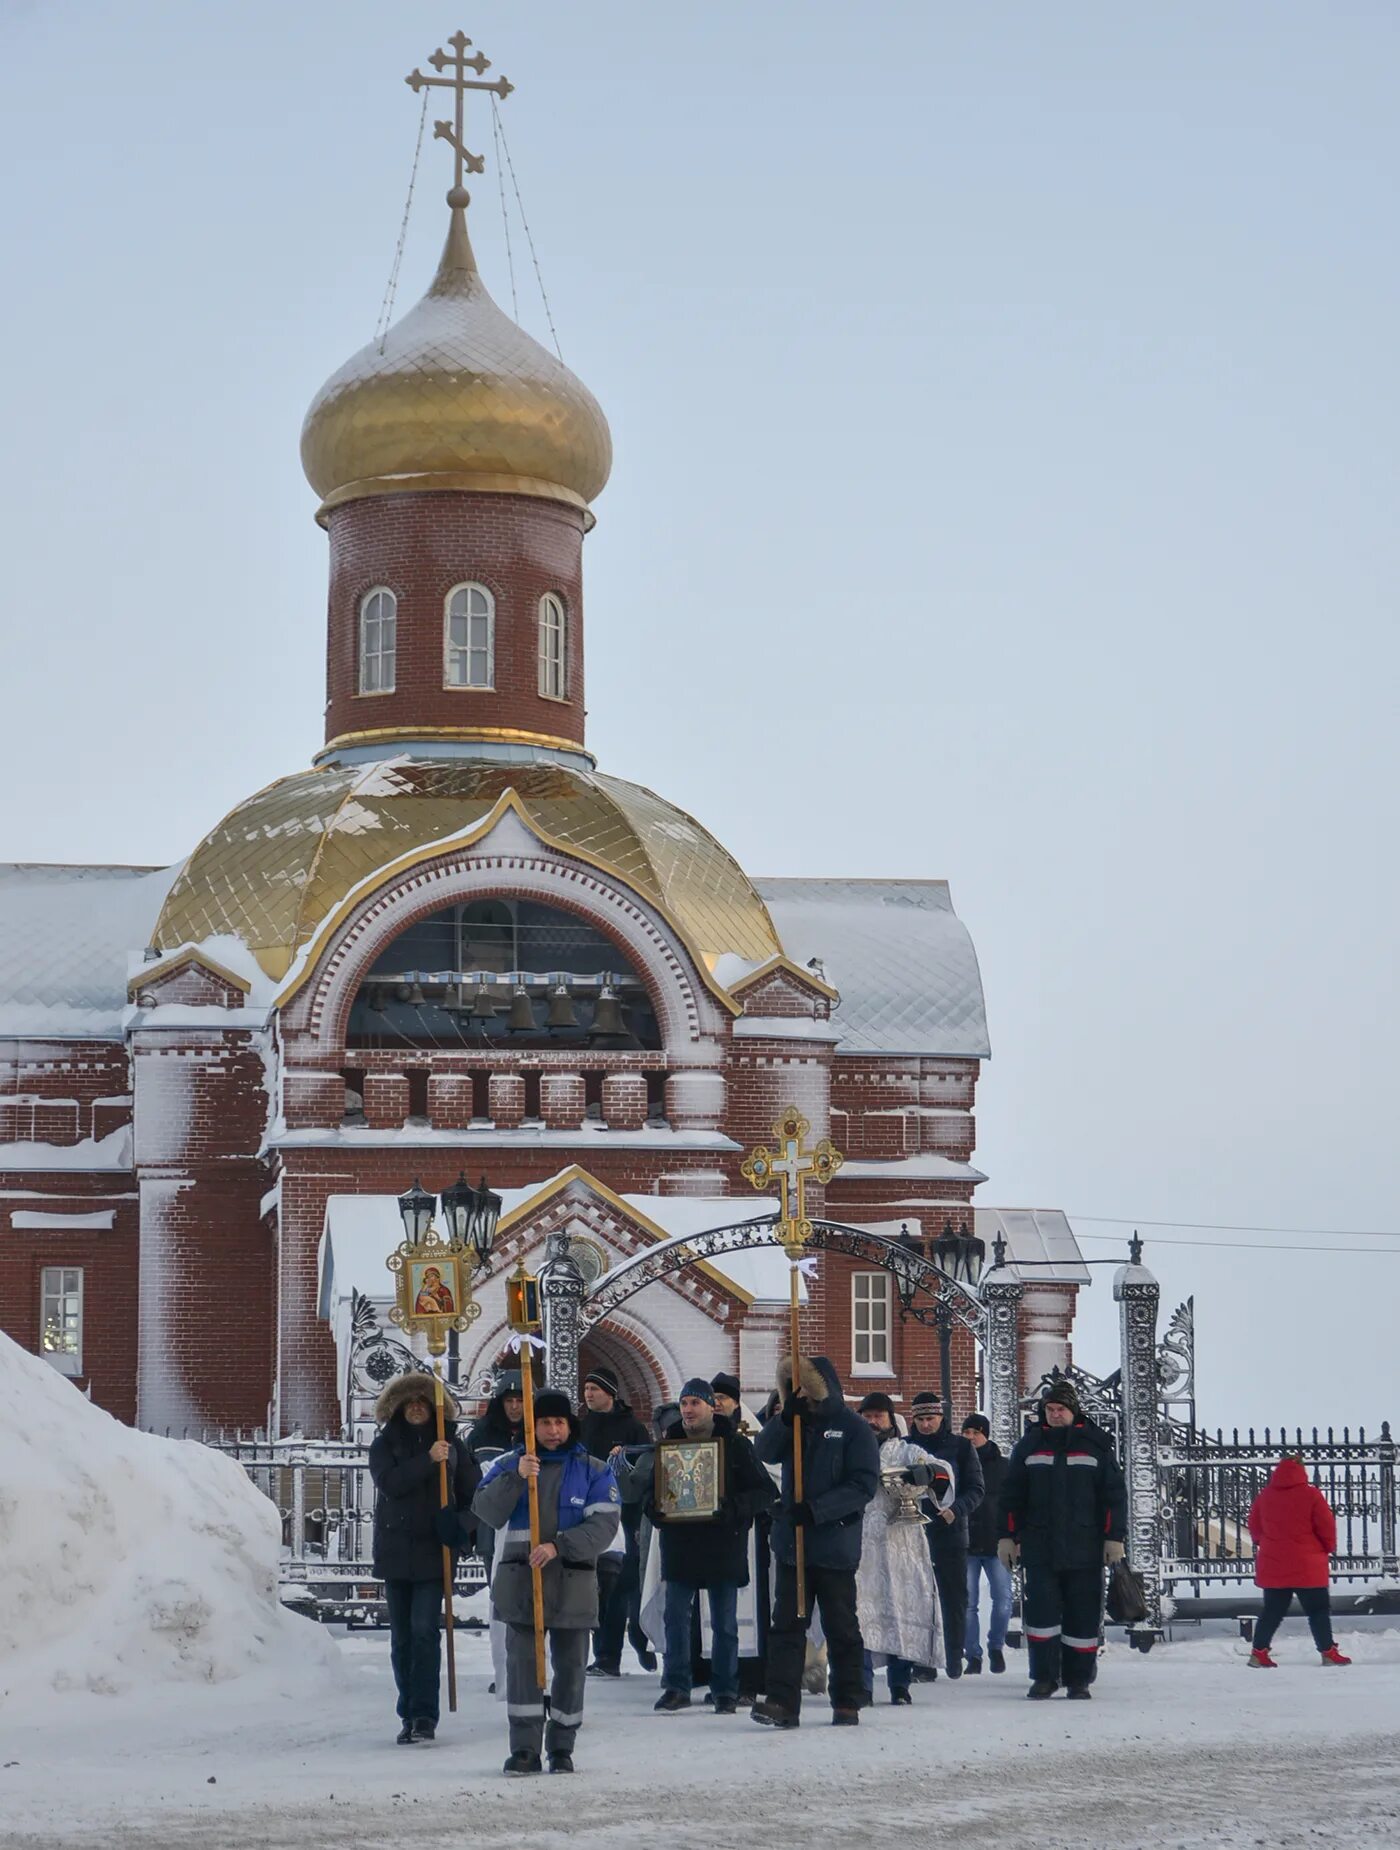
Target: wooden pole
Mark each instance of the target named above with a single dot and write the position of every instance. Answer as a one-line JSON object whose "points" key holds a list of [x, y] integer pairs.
{"points": [[800, 1538], [527, 1385], [447, 1559]]}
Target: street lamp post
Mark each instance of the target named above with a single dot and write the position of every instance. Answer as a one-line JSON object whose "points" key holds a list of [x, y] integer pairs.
{"points": [[960, 1255]]}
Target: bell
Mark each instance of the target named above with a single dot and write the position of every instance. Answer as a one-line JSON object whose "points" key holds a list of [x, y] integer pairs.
{"points": [[561, 1008], [374, 998], [607, 1016], [522, 1015], [416, 998], [484, 1004], [453, 1003]]}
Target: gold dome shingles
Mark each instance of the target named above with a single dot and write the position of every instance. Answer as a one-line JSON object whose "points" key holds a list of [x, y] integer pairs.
{"points": [[274, 870], [455, 395]]}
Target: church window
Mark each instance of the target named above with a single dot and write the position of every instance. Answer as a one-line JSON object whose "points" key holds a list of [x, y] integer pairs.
{"points": [[379, 622], [471, 637], [870, 1323], [61, 1317], [554, 641]]}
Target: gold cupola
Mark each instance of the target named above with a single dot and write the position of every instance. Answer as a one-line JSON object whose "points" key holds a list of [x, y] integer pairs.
{"points": [[455, 396]]}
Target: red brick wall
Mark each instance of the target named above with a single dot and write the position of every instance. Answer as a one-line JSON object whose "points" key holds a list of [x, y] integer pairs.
{"points": [[62, 1091], [420, 546]]}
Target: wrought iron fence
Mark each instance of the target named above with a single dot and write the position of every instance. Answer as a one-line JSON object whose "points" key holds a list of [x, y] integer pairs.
{"points": [[322, 1490]]}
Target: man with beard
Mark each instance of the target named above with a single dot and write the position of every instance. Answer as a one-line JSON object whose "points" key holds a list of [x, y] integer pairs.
{"points": [[607, 1425], [841, 1473], [411, 1529], [947, 1533], [1063, 1516]]}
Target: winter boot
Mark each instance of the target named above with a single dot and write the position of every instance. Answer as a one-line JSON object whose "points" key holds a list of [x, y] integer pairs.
{"points": [[1079, 1693], [671, 1703], [561, 1763], [1042, 1689], [974, 1666], [1333, 1656], [404, 1735], [774, 1715], [425, 1731], [845, 1718], [901, 1698], [603, 1670], [726, 1705], [521, 1762], [997, 1660], [1260, 1660]]}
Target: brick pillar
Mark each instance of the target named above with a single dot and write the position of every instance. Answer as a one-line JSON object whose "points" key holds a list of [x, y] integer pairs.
{"points": [[695, 1101], [562, 1100], [506, 1100], [386, 1100], [313, 1101], [625, 1101], [451, 1101]]}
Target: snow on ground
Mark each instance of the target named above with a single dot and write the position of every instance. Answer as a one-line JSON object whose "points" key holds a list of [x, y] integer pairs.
{"points": [[130, 1562], [1184, 1747]]}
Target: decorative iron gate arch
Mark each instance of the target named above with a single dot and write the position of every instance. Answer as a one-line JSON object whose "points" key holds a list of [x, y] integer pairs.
{"points": [[991, 1315]]}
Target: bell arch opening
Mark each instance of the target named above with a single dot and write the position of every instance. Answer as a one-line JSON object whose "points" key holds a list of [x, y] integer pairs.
{"points": [[506, 972]]}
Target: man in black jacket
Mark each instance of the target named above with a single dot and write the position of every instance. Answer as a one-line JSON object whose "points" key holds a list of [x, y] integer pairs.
{"points": [[713, 1553], [841, 1473], [947, 1532], [411, 1529], [982, 1561], [606, 1425], [1063, 1516]]}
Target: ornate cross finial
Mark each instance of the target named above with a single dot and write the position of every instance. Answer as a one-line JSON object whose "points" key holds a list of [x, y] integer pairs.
{"points": [[457, 61], [793, 1166]]}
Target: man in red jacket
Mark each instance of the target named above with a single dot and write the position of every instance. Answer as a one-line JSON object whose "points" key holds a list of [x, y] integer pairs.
{"points": [[1295, 1534]]}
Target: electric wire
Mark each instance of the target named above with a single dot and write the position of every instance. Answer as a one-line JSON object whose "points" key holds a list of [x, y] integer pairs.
{"points": [[386, 307], [525, 223], [505, 215]]}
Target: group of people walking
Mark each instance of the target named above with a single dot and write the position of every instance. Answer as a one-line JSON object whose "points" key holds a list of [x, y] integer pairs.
{"points": [[901, 1533]]}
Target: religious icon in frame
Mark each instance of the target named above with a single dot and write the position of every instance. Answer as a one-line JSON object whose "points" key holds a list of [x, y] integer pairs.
{"points": [[689, 1482], [435, 1285]]}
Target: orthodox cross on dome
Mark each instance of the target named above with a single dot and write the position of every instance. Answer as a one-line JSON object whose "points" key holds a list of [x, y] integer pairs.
{"points": [[792, 1165], [458, 64]]}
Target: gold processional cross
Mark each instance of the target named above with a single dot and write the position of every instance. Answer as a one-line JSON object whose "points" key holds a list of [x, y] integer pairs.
{"points": [[793, 1166], [453, 132]]}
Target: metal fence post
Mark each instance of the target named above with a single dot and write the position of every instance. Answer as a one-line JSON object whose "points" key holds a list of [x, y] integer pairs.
{"points": [[1390, 1565], [1001, 1343], [1138, 1294], [562, 1288]]}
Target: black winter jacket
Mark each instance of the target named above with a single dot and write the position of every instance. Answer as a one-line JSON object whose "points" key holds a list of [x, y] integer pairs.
{"points": [[841, 1473], [716, 1553], [1063, 1496], [982, 1523], [407, 1545], [600, 1432], [961, 1454]]}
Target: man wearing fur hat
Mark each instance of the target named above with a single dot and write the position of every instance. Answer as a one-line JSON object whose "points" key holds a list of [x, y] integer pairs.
{"points": [[1063, 1515], [840, 1474], [579, 1507], [411, 1529]]}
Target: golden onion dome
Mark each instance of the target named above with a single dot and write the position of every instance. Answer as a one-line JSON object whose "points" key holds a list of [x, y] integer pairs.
{"points": [[277, 872], [455, 396]]}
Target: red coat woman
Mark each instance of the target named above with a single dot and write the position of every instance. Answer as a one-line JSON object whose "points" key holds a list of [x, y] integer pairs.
{"points": [[1293, 1528]]}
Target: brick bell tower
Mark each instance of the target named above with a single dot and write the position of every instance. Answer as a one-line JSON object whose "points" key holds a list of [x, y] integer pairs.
{"points": [[455, 460]]}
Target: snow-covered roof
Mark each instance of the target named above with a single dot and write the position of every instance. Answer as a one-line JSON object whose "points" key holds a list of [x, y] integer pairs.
{"points": [[1040, 1239], [66, 937], [901, 957]]}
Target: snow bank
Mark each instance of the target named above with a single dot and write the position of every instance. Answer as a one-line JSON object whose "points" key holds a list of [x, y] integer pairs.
{"points": [[130, 1561]]}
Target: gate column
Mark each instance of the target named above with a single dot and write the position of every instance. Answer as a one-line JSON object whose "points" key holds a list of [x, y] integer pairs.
{"points": [[1138, 1294], [562, 1289], [1001, 1346]]}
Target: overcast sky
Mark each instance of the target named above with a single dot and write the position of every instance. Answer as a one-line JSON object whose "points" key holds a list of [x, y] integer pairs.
{"points": [[1004, 402]]}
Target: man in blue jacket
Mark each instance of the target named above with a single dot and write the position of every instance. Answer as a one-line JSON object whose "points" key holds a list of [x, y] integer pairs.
{"points": [[840, 1474]]}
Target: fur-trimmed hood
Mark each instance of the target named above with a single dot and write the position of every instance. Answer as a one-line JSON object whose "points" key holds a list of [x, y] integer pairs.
{"points": [[404, 1388], [818, 1377]]}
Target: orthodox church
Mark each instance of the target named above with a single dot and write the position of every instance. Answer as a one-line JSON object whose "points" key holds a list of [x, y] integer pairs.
{"points": [[455, 943]]}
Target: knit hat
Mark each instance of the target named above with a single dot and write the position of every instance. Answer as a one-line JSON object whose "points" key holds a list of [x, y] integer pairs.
{"points": [[727, 1384], [978, 1422], [700, 1388], [927, 1398], [507, 1382], [877, 1403], [605, 1379], [1062, 1394], [552, 1405], [665, 1415]]}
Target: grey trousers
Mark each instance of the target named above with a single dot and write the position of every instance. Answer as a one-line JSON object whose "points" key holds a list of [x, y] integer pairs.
{"points": [[568, 1656]]}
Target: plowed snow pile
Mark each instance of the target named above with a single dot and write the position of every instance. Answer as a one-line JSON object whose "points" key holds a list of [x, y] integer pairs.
{"points": [[128, 1561]]}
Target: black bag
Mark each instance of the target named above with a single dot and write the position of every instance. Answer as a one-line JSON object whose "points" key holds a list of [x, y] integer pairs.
{"points": [[1127, 1596]]}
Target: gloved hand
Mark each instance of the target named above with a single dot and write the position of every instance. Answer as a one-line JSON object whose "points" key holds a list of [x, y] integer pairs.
{"points": [[1008, 1552], [792, 1406], [802, 1516], [1112, 1552], [447, 1528]]}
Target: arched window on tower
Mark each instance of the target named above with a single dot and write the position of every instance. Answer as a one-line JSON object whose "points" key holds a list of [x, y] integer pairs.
{"points": [[379, 622], [554, 647], [470, 637]]}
